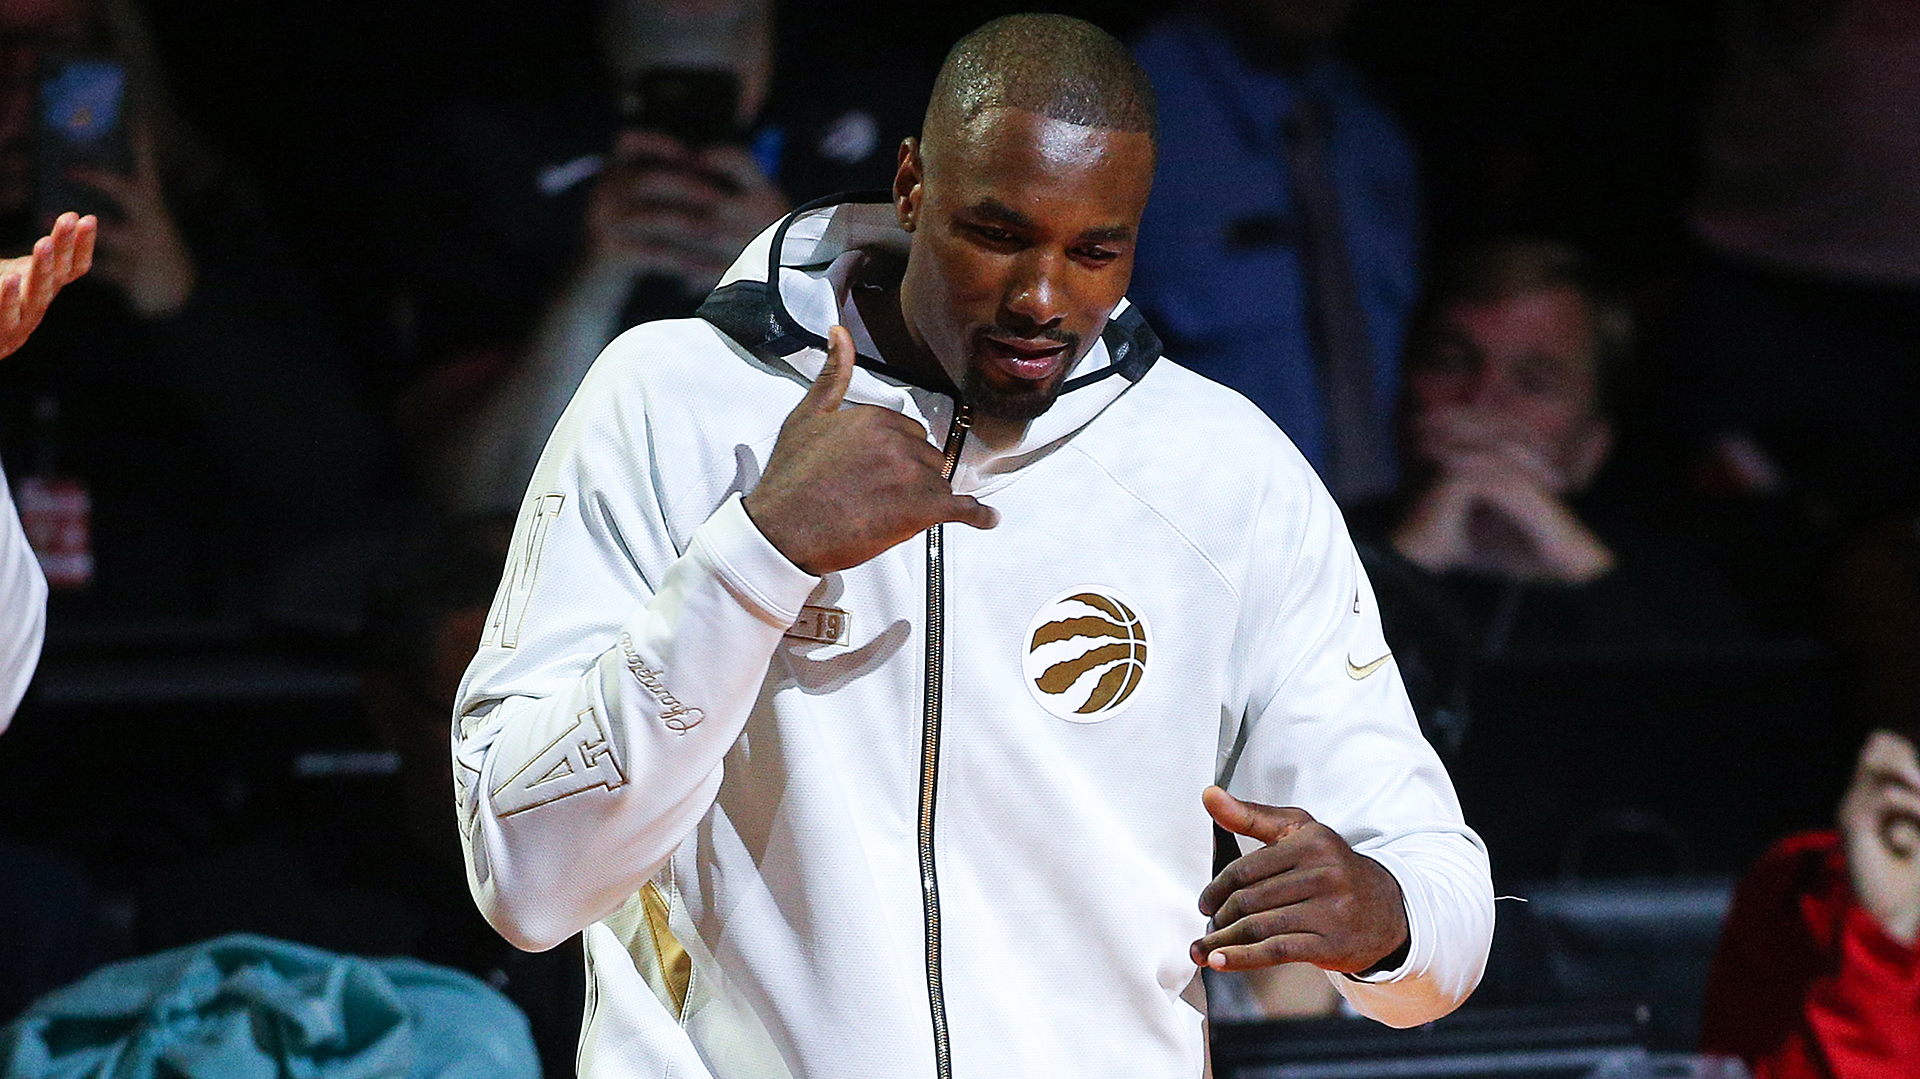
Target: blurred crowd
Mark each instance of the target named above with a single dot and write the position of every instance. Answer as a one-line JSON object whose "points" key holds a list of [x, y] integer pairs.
{"points": [[1601, 322]]}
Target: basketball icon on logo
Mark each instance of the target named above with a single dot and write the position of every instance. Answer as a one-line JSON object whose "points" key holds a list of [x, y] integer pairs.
{"points": [[1086, 653]]}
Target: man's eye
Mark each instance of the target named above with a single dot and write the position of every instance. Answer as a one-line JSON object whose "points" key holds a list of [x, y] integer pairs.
{"points": [[993, 235], [1098, 254]]}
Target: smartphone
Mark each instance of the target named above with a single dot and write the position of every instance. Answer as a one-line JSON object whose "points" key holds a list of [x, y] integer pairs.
{"points": [[698, 106], [81, 123]]}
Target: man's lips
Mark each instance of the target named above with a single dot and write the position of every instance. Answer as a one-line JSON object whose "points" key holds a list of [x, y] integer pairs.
{"points": [[1027, 359]]}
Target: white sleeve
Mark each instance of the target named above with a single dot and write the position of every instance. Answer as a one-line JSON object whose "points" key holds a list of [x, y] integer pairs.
{"points": [[23, 608], [1329, 730], [616, 672]]}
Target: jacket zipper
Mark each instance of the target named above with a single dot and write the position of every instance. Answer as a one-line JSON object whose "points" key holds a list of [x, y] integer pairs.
{"points": [[930, 753]]}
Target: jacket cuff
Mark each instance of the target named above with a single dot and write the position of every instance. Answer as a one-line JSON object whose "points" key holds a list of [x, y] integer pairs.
{"points": [[1420, 927], [753, 569]]}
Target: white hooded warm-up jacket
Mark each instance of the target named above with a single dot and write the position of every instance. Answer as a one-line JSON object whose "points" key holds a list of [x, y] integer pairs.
{"points": [[938, 814], [23, 608]]}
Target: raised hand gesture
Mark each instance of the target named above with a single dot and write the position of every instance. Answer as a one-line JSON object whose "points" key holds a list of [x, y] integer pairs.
{"points": [[29, 283], [1303, 897], [844, 484], [661, 207], [143, 253]]}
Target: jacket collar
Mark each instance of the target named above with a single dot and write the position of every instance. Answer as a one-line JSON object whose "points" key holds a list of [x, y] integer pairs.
{"points": [[779, 299]]}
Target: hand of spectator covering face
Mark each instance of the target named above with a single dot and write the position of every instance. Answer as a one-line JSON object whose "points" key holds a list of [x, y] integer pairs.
{"points": [[29, 283], [1449, 437], [661, 207], [143, 253], [845, 484], [1303, 897], [1880, 825], [1491, 511]]}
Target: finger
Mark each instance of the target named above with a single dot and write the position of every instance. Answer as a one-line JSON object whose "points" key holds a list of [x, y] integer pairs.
{"points": [[674, 187], [1271, 952], [1257, 927], [86, 232], [1251, 819], [736, 164], [1247, 871], [1296, 885], [41, 280], [830, 389], [969, 510], [634, 143], [120, 189], [60, 260]]}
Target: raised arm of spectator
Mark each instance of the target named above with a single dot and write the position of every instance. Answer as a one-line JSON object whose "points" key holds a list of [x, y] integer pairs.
{"points": [[27, 285]]}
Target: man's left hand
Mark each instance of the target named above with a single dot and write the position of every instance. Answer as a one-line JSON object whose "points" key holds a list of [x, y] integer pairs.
{"points": [[1303, 897]]}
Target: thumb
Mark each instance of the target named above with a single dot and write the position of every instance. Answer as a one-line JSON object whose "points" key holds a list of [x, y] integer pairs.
{"points": [[1265, 823], [830, 388]]}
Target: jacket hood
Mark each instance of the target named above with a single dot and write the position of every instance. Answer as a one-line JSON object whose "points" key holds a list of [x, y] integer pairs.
{"points": [[779, 300]]}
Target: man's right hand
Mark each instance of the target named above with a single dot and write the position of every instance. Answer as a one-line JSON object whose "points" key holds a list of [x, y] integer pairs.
{"points": [[845, 484]]}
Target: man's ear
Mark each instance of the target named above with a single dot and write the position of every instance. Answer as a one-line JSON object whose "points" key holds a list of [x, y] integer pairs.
{"points": [[907, 180]]}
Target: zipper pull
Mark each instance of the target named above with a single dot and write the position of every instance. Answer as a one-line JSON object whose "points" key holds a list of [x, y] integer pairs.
{"points": [[956, 438]]}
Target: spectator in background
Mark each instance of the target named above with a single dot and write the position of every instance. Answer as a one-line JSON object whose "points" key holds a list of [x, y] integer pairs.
{"points": [[1280, 251], [1501, 536], [198, 391], [1817, 975], [1796, 348], [660, 205]]}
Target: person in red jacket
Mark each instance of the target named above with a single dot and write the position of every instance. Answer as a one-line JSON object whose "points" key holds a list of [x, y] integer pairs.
{"points": [[1817, 974]]}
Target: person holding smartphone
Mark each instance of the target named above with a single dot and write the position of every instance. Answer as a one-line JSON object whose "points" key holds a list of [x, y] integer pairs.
{"points": [[203, 393], [676, 196], [719, 117]]}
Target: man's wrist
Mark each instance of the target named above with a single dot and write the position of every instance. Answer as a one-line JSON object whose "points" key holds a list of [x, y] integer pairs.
{"points": [[1393, 960]]}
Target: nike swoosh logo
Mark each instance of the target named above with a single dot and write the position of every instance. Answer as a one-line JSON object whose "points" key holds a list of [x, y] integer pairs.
{"points": [[1357, 673]]}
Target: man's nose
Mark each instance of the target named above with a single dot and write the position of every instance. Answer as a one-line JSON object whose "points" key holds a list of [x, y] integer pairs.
{"points": [[1035, 295]]}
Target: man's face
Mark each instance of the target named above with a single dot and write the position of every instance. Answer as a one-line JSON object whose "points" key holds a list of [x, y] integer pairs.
{"points": [[1515, 374], [1023, 237]]}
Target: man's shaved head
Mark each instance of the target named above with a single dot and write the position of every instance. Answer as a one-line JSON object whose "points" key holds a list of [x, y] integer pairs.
{"points": [[1052, 65]]}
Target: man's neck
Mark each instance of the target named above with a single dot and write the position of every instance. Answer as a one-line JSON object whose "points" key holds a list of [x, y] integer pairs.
{"points": [[875, 286]]}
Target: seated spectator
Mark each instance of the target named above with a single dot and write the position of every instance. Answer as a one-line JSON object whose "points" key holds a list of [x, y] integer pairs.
{"points": [[1279, 253], [1792, 342], [1817, 975], [198, 391], [627, 218], [1502, 535]]}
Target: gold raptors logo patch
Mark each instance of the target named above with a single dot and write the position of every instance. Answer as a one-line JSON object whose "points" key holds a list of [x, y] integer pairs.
{"points": [[1086, 654]]}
